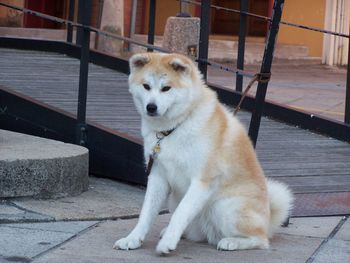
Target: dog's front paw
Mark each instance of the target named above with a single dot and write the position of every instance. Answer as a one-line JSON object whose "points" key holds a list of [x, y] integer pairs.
{"points": [[165, 246], [127, 243]]}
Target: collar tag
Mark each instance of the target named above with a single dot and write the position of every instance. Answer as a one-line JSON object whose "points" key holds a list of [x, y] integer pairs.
{"points": [[156, 148]]}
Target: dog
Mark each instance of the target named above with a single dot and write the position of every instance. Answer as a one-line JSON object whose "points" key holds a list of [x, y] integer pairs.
{"points": [[201, 161]]}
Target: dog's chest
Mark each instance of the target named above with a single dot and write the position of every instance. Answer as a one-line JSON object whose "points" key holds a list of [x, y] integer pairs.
{"points": [[179, 158]]}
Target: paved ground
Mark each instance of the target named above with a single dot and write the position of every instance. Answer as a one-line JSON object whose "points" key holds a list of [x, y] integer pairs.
{"points": [[84, 228], [301, 84]]}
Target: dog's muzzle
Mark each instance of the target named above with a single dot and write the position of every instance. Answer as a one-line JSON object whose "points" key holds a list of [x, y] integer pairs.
{"points": [[151, 109]]}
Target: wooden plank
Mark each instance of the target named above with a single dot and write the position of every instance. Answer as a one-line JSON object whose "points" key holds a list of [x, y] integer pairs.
{"points": [[313, 183]]}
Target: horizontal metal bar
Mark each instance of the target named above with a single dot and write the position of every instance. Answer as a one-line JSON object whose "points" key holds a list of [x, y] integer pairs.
{"points": [[228, 69]]}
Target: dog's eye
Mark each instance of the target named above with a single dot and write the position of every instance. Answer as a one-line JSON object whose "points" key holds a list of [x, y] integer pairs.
{"points": [[166, 88], [146, 86]]}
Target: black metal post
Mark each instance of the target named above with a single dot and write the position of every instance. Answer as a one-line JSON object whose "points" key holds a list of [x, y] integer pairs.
{"points": [[265, 68], [347, 97], [204, 37], [151, 23], [85, 14], [70, 18], [241, 43]]}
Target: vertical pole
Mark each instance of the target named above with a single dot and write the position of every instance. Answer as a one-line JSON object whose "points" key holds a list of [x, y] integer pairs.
{"points": [[70, 18], [347, 97], [81, 14], [204, 37], [151, 23], [184, 8], [265, 68], [85, 15], [132, 21], [241, 43]]}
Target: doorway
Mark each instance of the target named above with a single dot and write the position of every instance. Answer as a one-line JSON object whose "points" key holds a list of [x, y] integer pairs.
{"points": [[227, 23], [53, 7]]}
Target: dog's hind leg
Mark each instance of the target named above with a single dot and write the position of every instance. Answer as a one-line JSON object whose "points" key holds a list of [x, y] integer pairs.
{"points": [[249, 232], [238, 228]]}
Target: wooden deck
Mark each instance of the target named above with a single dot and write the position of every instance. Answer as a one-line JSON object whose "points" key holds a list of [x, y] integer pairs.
{"points": [[308, 162]]}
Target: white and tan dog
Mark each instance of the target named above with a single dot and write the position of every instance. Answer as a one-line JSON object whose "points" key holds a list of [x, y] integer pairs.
{"points": [[206, 168]]}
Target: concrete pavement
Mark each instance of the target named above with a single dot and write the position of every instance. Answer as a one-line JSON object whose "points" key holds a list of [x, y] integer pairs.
{"points": [[84, 228], [304, 85]]}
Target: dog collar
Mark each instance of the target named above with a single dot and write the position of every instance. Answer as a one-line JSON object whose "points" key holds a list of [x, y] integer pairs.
{"points": [[163, 134], [156, 149]]}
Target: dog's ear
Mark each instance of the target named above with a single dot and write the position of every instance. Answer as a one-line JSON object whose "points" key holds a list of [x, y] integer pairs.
{"points": [[180, 65], [138, 61]]}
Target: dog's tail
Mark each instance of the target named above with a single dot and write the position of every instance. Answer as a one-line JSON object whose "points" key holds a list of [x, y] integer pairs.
{"points": [[281, 203]]}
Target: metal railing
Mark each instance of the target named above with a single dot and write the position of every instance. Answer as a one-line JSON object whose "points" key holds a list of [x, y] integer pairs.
{"points": [[83, 39], [118, 155], [243, 12]]}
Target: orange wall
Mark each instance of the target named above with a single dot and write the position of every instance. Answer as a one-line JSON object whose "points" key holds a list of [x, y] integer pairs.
{"points": [[164, 9], [309, 13], [9, 17], [305, 12]]}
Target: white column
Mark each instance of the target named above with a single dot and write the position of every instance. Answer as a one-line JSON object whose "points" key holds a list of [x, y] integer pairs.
{"points": [[335, 49]]}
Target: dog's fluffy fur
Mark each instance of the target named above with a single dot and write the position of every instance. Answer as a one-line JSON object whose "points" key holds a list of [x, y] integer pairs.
{"points": [[207, 168]]}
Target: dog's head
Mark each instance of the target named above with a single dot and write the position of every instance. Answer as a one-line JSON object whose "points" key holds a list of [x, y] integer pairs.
{"points": [[163, 85]]}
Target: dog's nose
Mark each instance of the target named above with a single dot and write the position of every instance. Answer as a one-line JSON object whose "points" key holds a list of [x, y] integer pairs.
{"points": [[151, 108]]}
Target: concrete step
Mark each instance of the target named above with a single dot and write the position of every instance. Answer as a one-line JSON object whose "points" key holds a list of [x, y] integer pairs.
{"points": [[40, 168], [226, 51]]}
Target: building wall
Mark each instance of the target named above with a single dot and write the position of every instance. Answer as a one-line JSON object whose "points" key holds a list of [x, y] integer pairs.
{"points": [[11, 18], [309, 13], [164, 9]]}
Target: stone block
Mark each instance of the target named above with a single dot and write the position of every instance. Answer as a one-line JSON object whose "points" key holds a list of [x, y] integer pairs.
{"points": [[180, 33], [41, 168]]}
